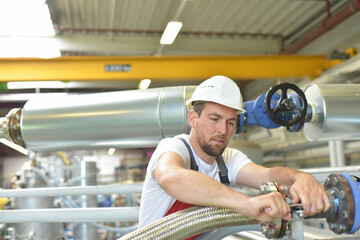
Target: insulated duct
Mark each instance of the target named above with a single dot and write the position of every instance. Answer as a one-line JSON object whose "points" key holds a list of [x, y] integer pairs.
{"points": [[125, 119], [190, 222], [335, 112]]}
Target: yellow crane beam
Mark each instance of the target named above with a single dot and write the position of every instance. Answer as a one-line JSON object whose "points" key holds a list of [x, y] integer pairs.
{"points": [[172, 68]]}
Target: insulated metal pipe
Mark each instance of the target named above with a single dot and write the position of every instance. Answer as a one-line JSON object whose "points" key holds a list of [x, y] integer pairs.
{"points": [[327, 170], [322, 173], [124, 119], [335, 112], [69, 191], [70, 215]]}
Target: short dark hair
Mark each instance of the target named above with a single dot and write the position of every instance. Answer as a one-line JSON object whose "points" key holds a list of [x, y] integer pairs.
{"points": [[198, 106]]}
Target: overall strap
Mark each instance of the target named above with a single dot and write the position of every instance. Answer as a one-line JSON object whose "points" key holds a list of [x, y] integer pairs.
{"points": [[193, 164], [223, 171]]}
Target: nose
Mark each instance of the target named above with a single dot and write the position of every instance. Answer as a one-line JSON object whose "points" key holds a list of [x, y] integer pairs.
{"points": [[222, 127]]}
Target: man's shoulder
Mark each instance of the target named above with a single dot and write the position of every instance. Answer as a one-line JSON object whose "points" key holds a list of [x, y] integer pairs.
{"points": [[232, 153], [175, 139], [174, 144]]}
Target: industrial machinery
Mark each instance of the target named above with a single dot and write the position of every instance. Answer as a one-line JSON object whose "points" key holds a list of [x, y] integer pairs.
{"points": [[132, 119], [343, 216], [323, 112]]}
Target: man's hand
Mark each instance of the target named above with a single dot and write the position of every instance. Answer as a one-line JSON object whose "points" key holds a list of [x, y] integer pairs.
{"points": [[268, 207], [312, 195]]}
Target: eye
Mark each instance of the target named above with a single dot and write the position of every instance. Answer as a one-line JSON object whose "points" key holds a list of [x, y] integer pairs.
{"points": [[213, 119], [231, 123]]}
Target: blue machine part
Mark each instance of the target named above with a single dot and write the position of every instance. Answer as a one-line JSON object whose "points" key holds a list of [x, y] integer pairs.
{"points": [[355, 189], [241, 123], [104, 201], [256, 115]]}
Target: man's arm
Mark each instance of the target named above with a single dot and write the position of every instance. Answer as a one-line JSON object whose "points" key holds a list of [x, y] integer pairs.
{"points": [[303, 187], [195, 188]]}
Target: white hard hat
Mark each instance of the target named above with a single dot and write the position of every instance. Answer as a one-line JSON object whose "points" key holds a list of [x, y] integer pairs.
{"points": [[218, 89]]}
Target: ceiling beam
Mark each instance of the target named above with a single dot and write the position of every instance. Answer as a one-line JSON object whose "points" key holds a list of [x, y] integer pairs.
{"points": [[113, 68]]}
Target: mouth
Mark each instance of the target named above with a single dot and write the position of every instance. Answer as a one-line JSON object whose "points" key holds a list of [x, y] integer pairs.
{"points": [[219, 141]]}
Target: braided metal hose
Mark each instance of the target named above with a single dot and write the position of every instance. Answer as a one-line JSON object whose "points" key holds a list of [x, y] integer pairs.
{"points": [[190, 222]]}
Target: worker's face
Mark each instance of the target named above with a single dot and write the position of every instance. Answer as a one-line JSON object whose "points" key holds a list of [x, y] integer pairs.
{"points": [[214, 128]]}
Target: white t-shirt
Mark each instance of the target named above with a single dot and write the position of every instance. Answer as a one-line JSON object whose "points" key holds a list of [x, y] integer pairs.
{"points": [[155, 202]]}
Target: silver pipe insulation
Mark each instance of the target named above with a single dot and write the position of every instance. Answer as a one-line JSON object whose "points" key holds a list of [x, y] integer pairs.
{"points": [[124, 119], [190, 222], [329, 170], [322, 173], [141, 118], [335, 112], [70, 215], [69, 191]]}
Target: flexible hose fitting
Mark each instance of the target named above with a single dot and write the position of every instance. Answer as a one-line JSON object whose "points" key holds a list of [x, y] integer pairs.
{"points": [[190, 222]]}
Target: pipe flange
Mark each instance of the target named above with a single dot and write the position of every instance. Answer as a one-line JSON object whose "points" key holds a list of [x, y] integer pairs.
{"points": [[267, 187], [14, 117], [4, 128], [274, 229], [343, 218], [277, 228]]}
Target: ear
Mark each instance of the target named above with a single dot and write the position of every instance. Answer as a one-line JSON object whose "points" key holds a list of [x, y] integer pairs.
{"points": [[193, 116]]}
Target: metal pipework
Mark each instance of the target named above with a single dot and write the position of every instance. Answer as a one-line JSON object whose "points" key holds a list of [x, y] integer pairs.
{"points": [[70, 215], [344, 214], [10, 127], [83, 171], [277, 228], [344, 194], [126, 119], [69, 191], [333, 112], [42, 230]]}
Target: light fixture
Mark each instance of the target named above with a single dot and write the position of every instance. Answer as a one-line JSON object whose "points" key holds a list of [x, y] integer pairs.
{"points": [[144, 84], [171, 31], [38, 47], [25, 18], [111, 151], [14, 146], [26, 30], [35, 84]]}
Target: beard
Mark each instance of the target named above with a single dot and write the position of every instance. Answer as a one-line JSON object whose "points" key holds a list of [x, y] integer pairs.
{"points": [[208, 148]]}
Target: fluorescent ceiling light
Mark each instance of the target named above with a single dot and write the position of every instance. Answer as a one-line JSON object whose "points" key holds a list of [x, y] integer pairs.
{"points": [[111, 151], [14, 146], [25, 18], [144, 84], [26, 30], [39, 47], [171, 31], [38, 84]]}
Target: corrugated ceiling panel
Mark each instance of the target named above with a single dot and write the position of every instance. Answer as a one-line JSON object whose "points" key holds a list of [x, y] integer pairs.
{"points": [[288, 18]]}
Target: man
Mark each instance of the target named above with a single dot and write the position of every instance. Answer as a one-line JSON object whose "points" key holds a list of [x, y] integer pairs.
{"points": [[171, 185]]}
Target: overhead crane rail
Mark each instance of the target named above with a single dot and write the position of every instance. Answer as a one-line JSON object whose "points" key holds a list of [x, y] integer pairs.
{"points": [[168, 68]]}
